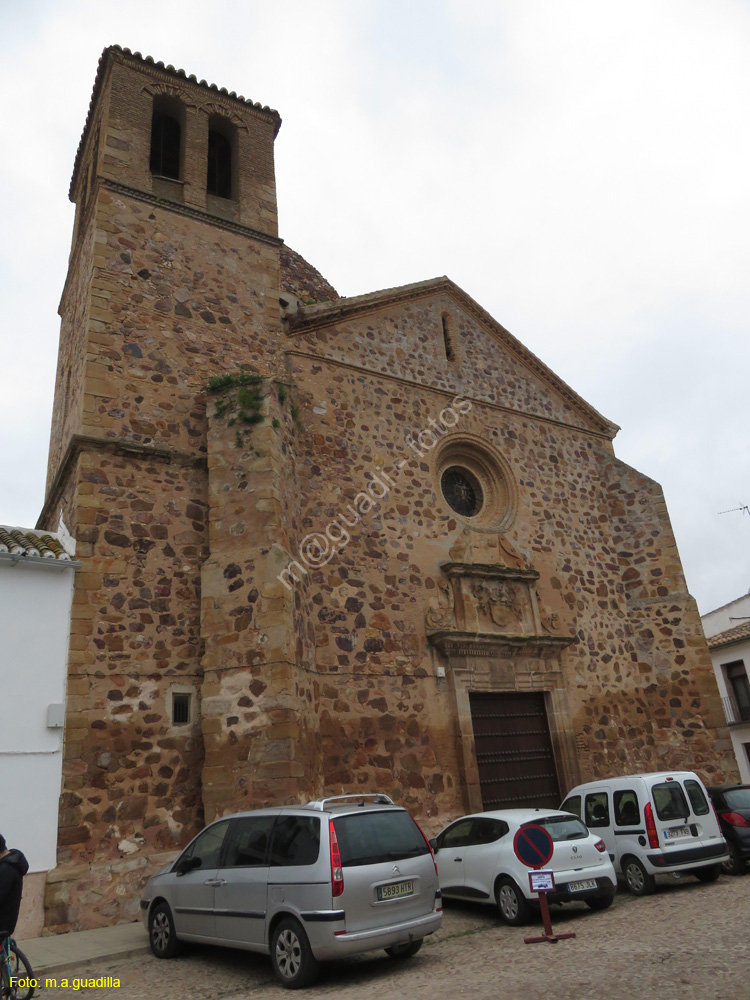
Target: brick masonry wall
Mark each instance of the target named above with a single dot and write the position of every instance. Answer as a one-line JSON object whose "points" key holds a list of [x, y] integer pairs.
{"points": [[130, 91]]}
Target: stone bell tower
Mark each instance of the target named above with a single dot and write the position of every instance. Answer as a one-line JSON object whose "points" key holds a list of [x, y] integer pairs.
{"points": [[173, 179], [173, 280]]}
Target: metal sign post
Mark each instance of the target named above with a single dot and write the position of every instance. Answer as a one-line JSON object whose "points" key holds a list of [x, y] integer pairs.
{"points": [[533, 847]]}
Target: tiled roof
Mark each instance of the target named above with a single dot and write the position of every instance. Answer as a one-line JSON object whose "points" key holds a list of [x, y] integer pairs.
{"points": [[303, 280], [20, 542], [118, 50], [734, 634], [312, 315]]}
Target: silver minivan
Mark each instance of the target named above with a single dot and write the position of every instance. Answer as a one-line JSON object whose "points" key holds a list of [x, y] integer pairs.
{"points": [[339, 876], [653, 824]]}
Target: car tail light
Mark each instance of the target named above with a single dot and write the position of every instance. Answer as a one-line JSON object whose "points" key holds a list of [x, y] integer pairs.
{"points": [[734, 819], [653, 836], [600, 846], [337, 872], [429, 846]]}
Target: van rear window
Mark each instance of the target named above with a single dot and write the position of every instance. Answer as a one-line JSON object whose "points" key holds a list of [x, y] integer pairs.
{"points": [[696, 796], [369, 838], [670, 801]]}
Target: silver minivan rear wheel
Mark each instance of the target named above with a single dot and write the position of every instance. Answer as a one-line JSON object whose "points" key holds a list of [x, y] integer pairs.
{"points": [[294, 964]]}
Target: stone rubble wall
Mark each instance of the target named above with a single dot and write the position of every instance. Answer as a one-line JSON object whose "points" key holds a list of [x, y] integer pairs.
{"points": [[172, 302], [131, 779], [386, 720], [654, 704], [79, 332], [258, 727], [187, 520]]}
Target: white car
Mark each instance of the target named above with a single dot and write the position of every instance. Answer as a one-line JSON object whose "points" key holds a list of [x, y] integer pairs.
{"points": [[476, 860]]}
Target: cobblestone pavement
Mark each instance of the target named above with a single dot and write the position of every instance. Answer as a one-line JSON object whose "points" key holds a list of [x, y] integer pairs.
{"points": [[688, 942]]}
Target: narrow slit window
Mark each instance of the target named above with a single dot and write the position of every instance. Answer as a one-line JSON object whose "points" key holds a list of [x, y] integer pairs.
{"points": [[180, 709], [165, 146], [450, 353], [219, 177]]}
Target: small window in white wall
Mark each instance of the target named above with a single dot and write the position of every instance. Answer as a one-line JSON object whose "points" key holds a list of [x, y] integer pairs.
{"points": [[180, 708]]}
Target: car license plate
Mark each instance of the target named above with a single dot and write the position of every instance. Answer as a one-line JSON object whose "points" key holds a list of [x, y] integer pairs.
{"points": [[587, 883], [395, 890], [677, 831]]}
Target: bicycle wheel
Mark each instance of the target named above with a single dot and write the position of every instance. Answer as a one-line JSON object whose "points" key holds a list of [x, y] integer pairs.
{"points": [[4, 981], [20, 969]]}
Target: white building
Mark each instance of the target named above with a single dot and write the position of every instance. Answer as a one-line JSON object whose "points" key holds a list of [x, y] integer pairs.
{"points": [[728, 633], [36, 590]]}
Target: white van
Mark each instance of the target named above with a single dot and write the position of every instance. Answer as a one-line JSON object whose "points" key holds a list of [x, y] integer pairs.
{"points": [[653, 824]]}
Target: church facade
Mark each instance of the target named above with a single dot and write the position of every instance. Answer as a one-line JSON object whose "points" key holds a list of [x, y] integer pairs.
{"points": [[327, 544]]}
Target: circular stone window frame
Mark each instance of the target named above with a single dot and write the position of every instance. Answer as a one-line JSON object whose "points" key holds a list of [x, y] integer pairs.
{"points": [[495, 476]]}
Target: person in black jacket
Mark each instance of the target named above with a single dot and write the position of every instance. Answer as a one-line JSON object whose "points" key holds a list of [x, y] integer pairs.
{"points": [[13, 867]]}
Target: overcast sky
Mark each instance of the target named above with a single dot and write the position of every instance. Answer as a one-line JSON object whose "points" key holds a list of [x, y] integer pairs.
{"points": [[580, 167]]}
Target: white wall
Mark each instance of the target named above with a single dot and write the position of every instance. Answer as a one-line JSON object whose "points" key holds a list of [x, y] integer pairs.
{"points": [[35, 601], [728, 616], [739, 734]]}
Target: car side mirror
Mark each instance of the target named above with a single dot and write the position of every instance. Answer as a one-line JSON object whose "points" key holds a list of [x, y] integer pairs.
{"points": [[434, 845], [184, 865]]}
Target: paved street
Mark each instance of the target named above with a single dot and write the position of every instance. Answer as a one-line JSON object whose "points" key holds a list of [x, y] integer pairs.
{"points": [[687, 942]]}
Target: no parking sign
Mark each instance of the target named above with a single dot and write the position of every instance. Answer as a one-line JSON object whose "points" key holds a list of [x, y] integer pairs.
{"points": [[533, 845]]}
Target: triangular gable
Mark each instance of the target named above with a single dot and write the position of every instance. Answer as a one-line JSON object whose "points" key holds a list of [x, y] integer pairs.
{"points": [[490, 363]]}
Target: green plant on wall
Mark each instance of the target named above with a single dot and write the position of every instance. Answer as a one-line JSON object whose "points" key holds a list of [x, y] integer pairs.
{"points": [[245, 409]]}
